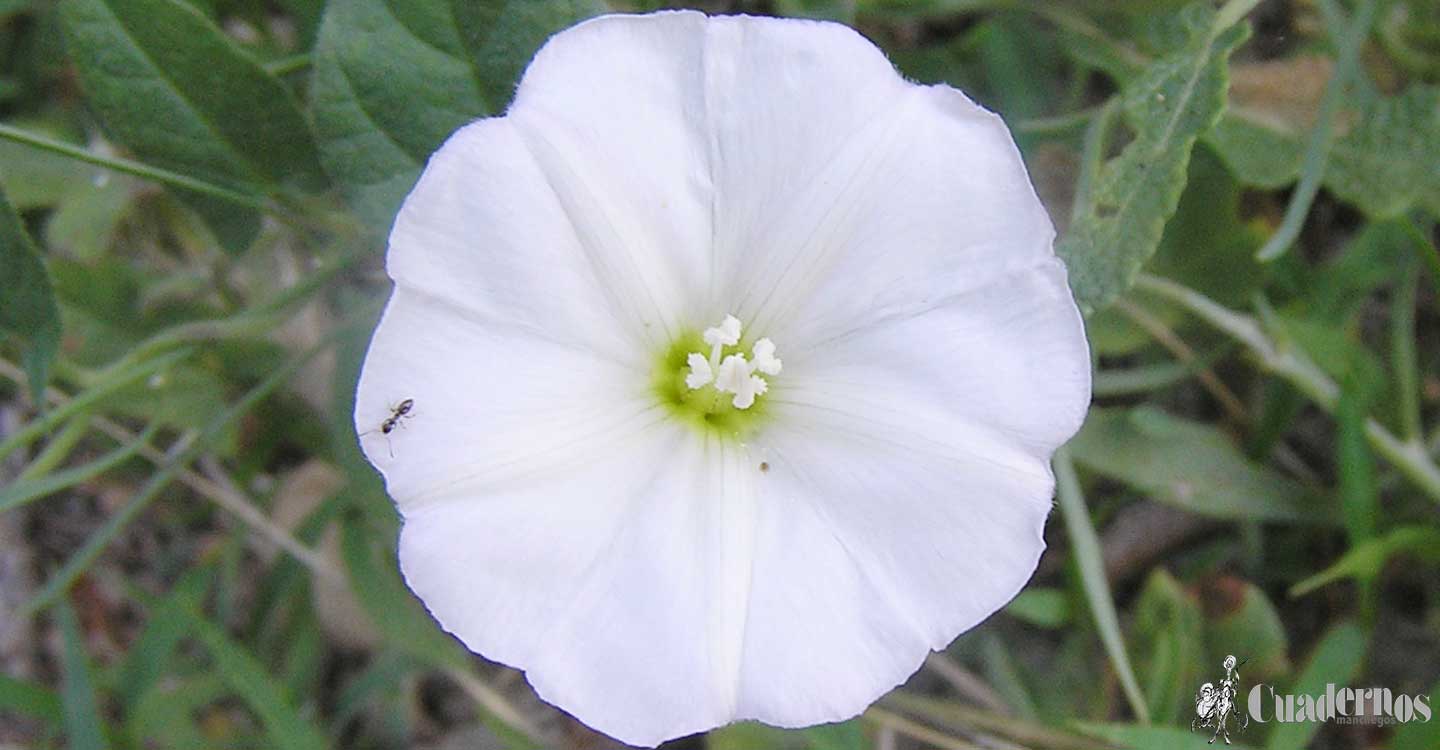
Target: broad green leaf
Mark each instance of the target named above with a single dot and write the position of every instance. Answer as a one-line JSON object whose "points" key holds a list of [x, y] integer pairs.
{"points": [[1365, 561], [1206, 245], [1119, 219], [1241, 620], [28, 313], [394, 78], [1256, 153], [1336, 659], [172, 87], [1384, 162], [1168, 646], [1388, 161], [1192, 466], [35, 178], [1137, 737], [83, 725], [257, 688]]}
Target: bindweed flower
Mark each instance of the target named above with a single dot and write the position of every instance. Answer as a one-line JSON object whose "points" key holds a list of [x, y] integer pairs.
{"points": [[736, 363]]}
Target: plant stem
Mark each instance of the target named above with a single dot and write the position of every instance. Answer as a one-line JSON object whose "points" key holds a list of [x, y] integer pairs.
{"points": [[1292, 365]]}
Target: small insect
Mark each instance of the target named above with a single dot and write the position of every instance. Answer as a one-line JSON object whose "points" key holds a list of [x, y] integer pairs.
{"points": [[398, 412], [764, 466]]}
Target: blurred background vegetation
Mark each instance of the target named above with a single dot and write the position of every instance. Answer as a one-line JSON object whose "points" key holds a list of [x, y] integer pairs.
{"points": [[195, 193]]}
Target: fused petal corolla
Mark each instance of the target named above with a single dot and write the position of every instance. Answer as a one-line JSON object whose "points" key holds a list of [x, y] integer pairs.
{"points": [[577, 500]]}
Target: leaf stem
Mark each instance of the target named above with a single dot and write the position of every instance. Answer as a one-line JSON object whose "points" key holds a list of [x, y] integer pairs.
{"points": [[1322, 136], [1231, 13], [1292, 365], [1085, 546], [127, 166]]}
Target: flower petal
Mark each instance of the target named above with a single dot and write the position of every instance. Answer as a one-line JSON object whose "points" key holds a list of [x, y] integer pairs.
{"points": [[921, 194], [483, 232], [619, 583], [1009, 358], [611, 111], [907, 468], [488, 401]]}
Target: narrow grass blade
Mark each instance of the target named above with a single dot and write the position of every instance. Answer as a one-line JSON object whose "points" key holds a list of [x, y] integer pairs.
{"points": [[83, 724], [1086, 548], [25, 491]]}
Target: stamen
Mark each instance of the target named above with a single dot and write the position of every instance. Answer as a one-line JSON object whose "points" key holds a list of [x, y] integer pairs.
{"points": [[765, 360], [732, 373], [726, 334], [700, 372]]}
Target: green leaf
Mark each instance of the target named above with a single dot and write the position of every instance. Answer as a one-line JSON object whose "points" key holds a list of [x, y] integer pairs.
{"points": [[83, 725], [29, 699], [172, 87], [27, 490], [395, 611], [1245, 624], [1136, 737], [165, 716], [1085, 549], [1042, 607], [1388, 162], [1119, 219], [28, 312], [1168, 644], [748, 735], [394, 79], [1255, 153], [149, 655], [1365, 561], [248, 678], [1336, 659], [1192, 466], [1384, 163], [1419, 735], [846, 735]]}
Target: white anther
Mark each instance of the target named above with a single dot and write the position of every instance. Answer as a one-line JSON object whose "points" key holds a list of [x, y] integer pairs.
{"points": [[765, 360], [735, 374], [700, 372], [725, 334], [732, 374]]}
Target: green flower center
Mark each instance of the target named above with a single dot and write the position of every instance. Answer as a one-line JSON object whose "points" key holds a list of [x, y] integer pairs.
{"points": [[716, 381]]}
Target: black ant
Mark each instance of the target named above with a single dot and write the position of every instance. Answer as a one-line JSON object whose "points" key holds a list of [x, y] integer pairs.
{"points": [[397, 412]]}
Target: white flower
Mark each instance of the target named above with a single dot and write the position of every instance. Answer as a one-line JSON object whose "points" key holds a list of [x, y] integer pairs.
{"points": [[665, 533]]}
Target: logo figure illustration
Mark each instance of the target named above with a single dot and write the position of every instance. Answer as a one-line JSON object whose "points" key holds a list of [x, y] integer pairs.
{"points": [[1215, 707]]}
